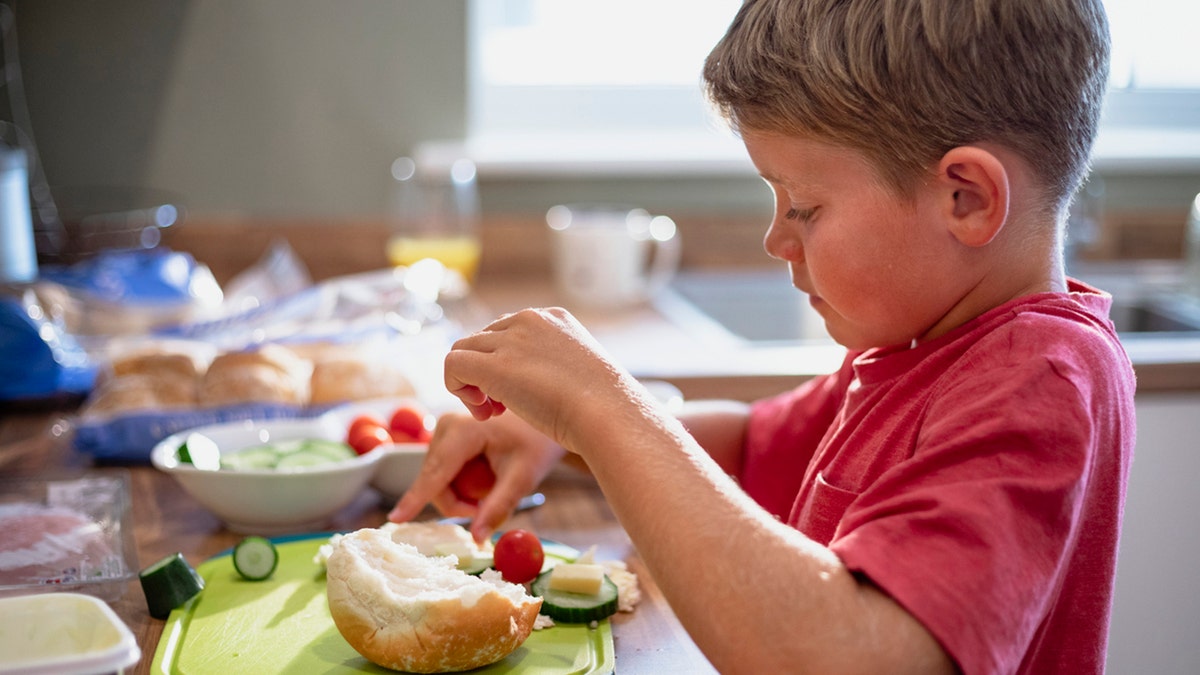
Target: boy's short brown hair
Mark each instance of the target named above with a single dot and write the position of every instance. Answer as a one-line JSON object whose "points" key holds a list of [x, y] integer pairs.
{"points": [[905, 81]]}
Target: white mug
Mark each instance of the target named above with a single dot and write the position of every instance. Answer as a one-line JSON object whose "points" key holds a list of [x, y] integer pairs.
{"points": [[608, 256]]}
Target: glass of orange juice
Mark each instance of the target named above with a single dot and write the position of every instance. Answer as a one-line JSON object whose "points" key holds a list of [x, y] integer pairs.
{"points": [[435, 214]]}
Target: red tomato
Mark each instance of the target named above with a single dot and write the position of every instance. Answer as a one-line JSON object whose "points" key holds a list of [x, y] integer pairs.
{"points": [[358, 424], [518, 556], [474, 481], [366, 434], [408, 425]]}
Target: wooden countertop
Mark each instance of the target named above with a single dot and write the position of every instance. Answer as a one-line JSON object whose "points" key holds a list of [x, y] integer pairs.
{"points": [[166, 520]]}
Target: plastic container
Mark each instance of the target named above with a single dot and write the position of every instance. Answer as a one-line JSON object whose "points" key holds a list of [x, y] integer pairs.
{"points": [[63, 634], [67, 534]]}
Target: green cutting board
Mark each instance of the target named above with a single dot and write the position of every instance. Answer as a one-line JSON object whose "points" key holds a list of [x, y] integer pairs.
{"points": [[282, 625]]}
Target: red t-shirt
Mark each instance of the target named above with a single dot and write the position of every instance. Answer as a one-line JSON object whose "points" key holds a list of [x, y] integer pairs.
{"points": [[978, 479]]}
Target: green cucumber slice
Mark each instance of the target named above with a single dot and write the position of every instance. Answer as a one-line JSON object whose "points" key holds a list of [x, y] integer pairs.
{"points": [[289, 446], [477, 565], [253, 457], [200, 451], [334, 450], [169, 583], [301, 459], [567, 607], [255, 558]]}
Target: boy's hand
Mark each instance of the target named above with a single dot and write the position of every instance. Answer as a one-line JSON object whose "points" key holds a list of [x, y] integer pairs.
{"points": [[545, 367], [518, 455]]}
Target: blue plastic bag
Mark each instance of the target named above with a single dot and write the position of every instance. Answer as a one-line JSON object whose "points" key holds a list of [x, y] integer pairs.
{"points": [[37, 358], [144, 276]]}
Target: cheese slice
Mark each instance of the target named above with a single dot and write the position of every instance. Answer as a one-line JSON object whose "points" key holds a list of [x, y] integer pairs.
{"points": [[577, 578], [469, 557], [455, 548]]}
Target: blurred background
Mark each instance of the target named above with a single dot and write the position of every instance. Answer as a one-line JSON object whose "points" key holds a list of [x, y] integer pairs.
{"points": [[297, 108]]}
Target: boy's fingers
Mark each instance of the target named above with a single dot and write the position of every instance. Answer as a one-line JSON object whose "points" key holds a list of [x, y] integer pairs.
{"points": [[500, 503], [411, 503]]}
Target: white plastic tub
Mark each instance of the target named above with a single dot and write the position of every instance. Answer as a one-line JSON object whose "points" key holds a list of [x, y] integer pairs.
{"points": [[63, 634]]}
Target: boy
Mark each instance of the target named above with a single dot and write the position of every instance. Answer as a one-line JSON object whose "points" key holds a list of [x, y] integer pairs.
{"points": [[950, 498]]}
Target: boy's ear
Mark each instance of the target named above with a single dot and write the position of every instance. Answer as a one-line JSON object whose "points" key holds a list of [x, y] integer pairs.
{"points": [[974, 183]]}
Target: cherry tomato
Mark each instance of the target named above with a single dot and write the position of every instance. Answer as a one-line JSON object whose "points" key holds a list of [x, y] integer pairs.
{"points": [[365, 435], [408, 425], [474, 480], [358, 424], [518, 556]]}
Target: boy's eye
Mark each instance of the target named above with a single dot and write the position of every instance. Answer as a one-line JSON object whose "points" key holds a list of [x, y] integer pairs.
{"points": [[799, 214]]}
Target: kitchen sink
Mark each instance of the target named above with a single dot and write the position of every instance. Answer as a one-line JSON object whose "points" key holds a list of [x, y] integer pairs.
{"points": [[1157, 314], [757, 306], [760, 307]]}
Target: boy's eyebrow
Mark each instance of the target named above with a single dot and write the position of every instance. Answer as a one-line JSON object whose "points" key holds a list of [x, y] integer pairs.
{"points": [[777, 180], [789, 183]]}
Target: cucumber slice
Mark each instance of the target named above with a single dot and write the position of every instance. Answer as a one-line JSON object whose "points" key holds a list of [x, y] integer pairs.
{"points": [[567, 607], [476, 566], [200, 451], [255, 558], [334, 450], [301, 459], [169, 583], [253, 457], [289, 446]]}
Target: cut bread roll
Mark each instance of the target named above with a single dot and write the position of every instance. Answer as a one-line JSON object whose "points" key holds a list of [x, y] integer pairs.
{"points": [[405, 611]]}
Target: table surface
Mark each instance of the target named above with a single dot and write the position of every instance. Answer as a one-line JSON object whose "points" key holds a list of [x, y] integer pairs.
{"points": [[166, 520]]}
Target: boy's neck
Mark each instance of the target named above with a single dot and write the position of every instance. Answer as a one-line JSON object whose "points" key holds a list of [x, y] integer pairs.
{"points": [[1027, 269]]}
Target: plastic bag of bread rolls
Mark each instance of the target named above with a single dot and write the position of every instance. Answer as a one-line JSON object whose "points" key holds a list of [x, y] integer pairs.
{"points": [[402, 610]]}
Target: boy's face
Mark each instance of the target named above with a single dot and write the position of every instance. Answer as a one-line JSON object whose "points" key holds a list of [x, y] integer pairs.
{"points": [[880, 270]]}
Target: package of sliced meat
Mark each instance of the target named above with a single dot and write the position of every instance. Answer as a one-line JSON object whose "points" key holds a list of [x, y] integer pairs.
{"points": [[70, 534]]}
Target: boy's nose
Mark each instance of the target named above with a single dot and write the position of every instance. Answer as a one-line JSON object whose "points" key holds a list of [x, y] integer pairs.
{"points": [[781, 244]]}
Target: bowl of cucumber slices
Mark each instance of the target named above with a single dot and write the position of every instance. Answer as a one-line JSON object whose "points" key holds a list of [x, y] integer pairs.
{"points": [[274, 476]]}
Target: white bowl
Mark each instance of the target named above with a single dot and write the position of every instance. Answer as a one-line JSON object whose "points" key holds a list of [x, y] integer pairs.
{"points": [[275, 501]]}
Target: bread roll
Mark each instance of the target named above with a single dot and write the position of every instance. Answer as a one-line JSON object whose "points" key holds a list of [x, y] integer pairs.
{"points": [[347, 377], [272, 374], [406, 611], [130, 393], [158, 363]]}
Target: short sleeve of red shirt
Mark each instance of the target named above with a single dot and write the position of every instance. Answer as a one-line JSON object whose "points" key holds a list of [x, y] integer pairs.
{"points": [[772, 472], [977, 479]]}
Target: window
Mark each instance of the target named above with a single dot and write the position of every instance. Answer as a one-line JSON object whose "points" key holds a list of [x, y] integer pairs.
{"points": [[615, 85]]}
